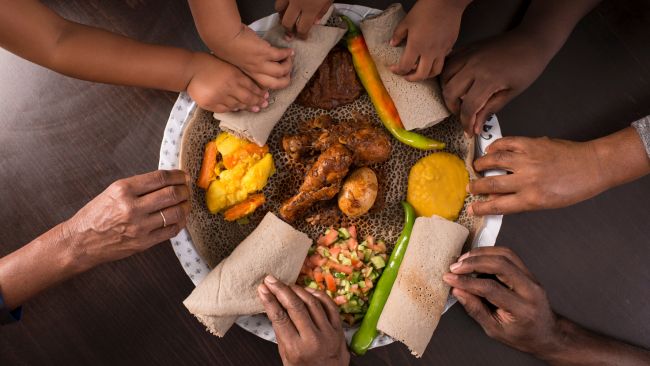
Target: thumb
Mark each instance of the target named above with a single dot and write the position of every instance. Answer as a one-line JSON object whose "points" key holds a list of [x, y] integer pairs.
{"points": [[493, 105]]}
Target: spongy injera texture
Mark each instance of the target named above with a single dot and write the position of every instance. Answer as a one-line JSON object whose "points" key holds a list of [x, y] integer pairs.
{"points": [[215, 238]]}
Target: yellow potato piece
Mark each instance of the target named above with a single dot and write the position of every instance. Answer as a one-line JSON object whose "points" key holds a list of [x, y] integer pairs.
{"points": [[436, 185], [249, 175]]}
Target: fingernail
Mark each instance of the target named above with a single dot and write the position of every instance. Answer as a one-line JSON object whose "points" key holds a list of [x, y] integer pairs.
{"points": [[462, 257], [449, 277], [256, 109], [470, 211], [265, 104], [455, 266], [270, 279], [266, 95], [312, 290], [262, 289]]}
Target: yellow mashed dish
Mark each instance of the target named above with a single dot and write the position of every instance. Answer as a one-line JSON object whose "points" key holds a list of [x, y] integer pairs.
{"points": [[241, 169], [436, 185]]}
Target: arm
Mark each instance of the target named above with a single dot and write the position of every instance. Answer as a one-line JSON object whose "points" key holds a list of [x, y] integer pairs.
{"points": [[545, 171], [523, 318], [239, 45], [123, 220], [32, 31], [482, 78]]}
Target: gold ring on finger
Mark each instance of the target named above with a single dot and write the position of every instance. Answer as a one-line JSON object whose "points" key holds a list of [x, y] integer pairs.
{"points": [[163, 217]]}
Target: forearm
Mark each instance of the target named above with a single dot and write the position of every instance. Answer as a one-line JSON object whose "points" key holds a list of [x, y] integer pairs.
{"points": [[44, 262], [578, 346], [621, 157], [217, 21], [32, 31], [552, 21]]}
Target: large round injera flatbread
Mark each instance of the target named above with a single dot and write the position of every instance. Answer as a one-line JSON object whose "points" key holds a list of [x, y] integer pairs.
{"points": [[216, 238]]}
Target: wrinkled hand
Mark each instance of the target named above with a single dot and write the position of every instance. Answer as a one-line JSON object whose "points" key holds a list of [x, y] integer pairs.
{"points": [[217, 86], [480, 79], [307, 325], [126, 218], [431, 29], [523, 318], [298, 16], [546, 173], [269, 66]]}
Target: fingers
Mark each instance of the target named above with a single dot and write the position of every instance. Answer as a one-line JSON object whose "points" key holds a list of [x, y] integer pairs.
{"points": [[422, 71], [399, 34], [250, 85], [277, 69], [273, 83], [280, 54], [295, 307], [281, 6], [290, 17], [304, 23], [331, 309], [498, 159], [476, 309], [510, 143], [173, 215], [282, 325], [454, 89], [165, 197], [502, 205], [436, 69], [485, 288], [493, 105], [160, 235], [314, 306], [498, 250], [407, 62], [508, 183], [505, 270], [475, 100], [153, 181]]}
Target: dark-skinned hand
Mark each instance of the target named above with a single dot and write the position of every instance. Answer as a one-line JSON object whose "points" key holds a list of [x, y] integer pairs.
{"points": [[523, 318], [430, 29], [480, 79], [307, 324], [546, 173]]}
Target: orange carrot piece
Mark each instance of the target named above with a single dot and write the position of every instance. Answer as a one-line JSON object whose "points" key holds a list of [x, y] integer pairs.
{"points": [[207, 166], [245, 207]]}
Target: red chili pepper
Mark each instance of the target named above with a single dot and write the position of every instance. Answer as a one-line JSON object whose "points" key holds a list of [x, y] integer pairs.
{"points": [[369, 76]]}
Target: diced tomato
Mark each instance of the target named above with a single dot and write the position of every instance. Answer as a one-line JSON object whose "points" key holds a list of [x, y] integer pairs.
{"points": [[329, 281], [340, 300], [318, 276], [354, 289], [339, 267], [353, 243], [368, 283], [334, 251], [370, 239], [346, 253], [356, 263], [317, 260], [329, 238], [307, 263], [353, 231]]}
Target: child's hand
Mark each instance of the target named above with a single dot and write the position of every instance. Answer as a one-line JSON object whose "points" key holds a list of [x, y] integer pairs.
{"points": [[217, 86], [299, 15], [430, 29], [269, 66], [482, 78]]}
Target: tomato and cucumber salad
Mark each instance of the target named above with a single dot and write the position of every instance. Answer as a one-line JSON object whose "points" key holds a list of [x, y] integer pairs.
{"points": [[345, 268]]}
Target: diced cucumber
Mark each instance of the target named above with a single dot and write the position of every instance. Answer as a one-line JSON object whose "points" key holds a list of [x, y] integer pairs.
{"points": [[313, 285], [367, 253], [362, 284], [311, 251], [361, 248], [347, 261], [378, 262], [355, 276], [344, 233]]}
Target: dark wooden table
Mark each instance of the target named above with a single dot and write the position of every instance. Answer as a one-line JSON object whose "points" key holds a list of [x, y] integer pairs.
{"points": [[62, 141]]}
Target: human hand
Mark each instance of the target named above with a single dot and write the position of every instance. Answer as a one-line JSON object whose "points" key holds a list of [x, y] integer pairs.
{"points": [[480, 79], [127, 217], [546, 173], [298, 16], [523, 318], [307, 325], [220, 87], [269, 66], [431, 29]]}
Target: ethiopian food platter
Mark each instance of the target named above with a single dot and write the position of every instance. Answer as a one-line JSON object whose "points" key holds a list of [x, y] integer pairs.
{"points": [[352, 182]]}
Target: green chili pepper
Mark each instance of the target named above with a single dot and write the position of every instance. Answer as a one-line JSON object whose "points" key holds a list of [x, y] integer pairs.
{"points": [[367, 332], [369, 76]]}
